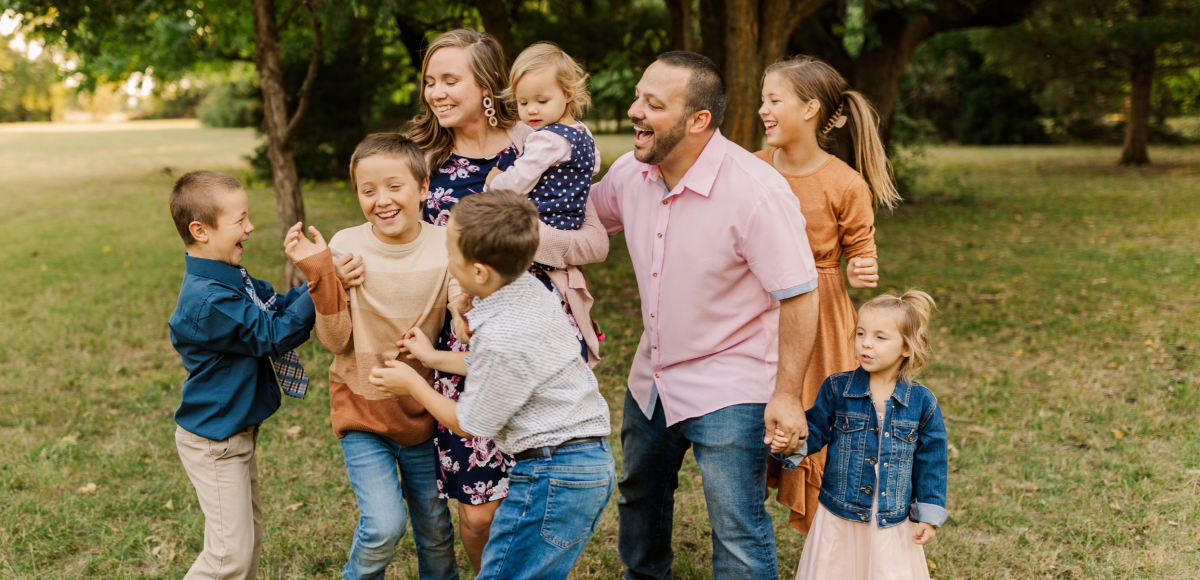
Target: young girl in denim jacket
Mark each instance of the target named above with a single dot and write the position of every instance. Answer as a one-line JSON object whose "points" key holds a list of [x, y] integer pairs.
{"points": [[883, 495]]}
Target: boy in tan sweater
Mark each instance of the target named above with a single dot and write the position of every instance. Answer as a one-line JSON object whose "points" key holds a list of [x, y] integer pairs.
{"points": [[386, 442]]}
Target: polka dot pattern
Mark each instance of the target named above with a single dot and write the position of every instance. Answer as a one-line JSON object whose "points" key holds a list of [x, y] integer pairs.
{"points": [[561, 194]]}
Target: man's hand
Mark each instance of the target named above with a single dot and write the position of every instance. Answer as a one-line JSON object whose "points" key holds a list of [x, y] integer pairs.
{"points": [[416, 345], [925, 534], [785, 421], [492, 175], [350, 271], [297, 247], [862, 272], [395, 378]]}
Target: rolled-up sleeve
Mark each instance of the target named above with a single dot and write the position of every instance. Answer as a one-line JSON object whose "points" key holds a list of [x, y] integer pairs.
{"points": [[930, 471], [776, 248]]}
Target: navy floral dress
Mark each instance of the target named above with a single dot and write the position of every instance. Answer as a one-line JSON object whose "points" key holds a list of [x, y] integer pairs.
{"points": [[472, 471]]}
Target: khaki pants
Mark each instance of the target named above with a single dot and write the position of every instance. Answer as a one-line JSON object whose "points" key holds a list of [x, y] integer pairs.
{"points": [[225, 475]]}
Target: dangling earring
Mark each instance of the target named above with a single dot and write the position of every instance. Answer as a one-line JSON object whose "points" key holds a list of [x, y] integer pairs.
{"points": [[489, 111]]}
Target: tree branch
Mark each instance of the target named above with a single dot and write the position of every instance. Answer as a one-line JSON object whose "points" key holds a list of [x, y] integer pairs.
{"points": [[313, 64], [287, 17]]}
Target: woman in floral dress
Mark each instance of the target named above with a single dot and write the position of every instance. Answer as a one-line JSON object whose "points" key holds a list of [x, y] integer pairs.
{"points": [[465, 131]]}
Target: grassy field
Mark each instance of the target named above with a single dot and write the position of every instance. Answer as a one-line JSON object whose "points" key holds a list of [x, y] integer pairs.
{"points": [[1065, 361]]}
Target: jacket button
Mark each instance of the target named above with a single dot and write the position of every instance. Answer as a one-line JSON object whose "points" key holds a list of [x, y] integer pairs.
{"points": [[871, 460], [883, 494], [863, 517], [867, 490], [885, 464], [885, 434]]}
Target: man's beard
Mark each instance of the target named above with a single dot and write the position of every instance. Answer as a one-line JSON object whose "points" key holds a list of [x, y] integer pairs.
{"points": [[664, 144]]}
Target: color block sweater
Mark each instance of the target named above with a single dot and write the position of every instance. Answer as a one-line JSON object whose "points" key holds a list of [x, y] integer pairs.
{"points": [[406, 286]]}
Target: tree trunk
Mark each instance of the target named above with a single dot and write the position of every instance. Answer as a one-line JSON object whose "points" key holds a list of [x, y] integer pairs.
{"points": [[754, 34], [1137, 115], [495, 22], [682, 27], [279, 129]]}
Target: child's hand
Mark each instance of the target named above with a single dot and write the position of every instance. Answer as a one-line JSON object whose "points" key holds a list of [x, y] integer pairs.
{"points": [[780, 442], [297, 247], [350, 271], [462, 330], [925, 534], [492, 175], [416, 344], [862, 272], [395, 378]]}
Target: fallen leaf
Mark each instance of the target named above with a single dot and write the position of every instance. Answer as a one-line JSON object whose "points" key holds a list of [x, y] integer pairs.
{"points": [[170, 505], [1149, 344], [1020, 351], [929, 564], [89, 488], [1150, 413], [294, 431], [294, 506], [69, 439], [1118, 434], [997, 487], [1173, 523], [126, 264]]}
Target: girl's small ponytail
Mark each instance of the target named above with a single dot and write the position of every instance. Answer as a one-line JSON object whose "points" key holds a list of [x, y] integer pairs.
{"points": [[869, 154], [912, 310]]}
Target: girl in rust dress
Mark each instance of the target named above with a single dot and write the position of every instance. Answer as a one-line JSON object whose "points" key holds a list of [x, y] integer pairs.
{"points": [[804, 99]]}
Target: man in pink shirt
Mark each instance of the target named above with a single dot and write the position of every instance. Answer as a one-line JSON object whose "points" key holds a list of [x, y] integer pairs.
{"points": [[729, 305]]}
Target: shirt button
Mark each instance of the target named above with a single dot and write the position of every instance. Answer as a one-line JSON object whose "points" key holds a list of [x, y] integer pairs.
{"points": [[651, 315], [666, 201], [656, 375], [655, 274], [654, 346], [660, 234]]}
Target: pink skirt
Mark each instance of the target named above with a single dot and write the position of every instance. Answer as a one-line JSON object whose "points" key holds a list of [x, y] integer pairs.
{"points": [[838, 549]]}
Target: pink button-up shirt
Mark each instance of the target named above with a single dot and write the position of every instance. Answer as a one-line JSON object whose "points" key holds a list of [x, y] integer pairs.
{"points": [[712, 257]]}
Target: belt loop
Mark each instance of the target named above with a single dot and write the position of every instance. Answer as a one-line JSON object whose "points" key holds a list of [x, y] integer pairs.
{"points": [[546, 453]]}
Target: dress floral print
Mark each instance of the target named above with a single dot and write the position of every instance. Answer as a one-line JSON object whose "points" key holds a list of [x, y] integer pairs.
{"points": [[472, 471]]}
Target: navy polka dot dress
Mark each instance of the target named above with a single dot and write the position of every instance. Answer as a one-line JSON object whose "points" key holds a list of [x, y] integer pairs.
{"points": [[561, 194]]}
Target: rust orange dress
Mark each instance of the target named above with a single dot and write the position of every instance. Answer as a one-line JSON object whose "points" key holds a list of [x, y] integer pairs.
{"points": [[840, 222]]}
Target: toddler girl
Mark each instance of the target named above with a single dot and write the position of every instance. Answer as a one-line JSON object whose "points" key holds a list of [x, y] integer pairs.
{"points": [[883, 494], [560, 156], [804, 101]]}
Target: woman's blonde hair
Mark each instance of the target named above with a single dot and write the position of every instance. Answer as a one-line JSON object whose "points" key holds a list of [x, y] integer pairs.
{"points": [[911, 311], [811, 79], [490, 72], [571, 77]]}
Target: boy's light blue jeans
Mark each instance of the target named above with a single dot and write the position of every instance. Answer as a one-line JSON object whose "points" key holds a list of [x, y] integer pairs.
{"points": [[553, 506], [728, 446], [383, 474]]}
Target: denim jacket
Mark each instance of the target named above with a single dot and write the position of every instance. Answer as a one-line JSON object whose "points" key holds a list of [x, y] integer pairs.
{"points": [[912, 461], [225, 341]]}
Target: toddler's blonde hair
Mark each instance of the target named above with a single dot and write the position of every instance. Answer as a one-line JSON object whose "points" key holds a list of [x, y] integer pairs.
{"points": [[571, 77], [911, 310]]}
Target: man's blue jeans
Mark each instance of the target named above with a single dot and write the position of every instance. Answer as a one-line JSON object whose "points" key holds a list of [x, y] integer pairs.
{"points": [[553, 506], [728, 445], [383, 473]]}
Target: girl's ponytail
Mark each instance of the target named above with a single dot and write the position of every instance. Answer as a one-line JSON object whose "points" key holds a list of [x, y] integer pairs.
{"points": [[812, 79], [869, 155]]}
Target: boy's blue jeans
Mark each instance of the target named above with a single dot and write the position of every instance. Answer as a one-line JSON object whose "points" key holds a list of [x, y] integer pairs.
{"points": [[728, 446], [383, 474], [552, 508]]}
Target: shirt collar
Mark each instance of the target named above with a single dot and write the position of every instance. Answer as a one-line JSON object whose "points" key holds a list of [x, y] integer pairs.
{"points": [[215, 270], [485, 309], [700, 177], [860, 386]]}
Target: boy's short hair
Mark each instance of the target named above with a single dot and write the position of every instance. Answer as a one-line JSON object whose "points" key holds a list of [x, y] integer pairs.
{"points": [[194, 199], [392, 145], [498, 228]]}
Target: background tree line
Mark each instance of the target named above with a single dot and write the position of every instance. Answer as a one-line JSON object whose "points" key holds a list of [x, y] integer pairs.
{"points": [[316, 75]]}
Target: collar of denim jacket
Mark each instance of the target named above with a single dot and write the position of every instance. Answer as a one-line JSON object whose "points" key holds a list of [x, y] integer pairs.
{"points": [[860, 386]]}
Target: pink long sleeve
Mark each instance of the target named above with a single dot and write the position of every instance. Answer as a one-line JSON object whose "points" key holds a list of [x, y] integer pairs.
{"points": [[543, 150]]}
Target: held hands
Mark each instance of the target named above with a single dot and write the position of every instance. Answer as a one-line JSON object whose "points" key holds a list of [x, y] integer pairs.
{"points": [[862, 272], [925, 534], [786, 424], [395, 378], [297, 247], [416, 345], [350, 271], [492, 175]]}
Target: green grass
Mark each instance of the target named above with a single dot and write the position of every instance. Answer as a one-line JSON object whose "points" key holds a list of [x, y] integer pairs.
{"points": [[1064, 357]]}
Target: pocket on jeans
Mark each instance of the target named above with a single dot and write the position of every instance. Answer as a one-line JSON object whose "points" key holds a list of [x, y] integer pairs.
{"points": [[571, 510]]}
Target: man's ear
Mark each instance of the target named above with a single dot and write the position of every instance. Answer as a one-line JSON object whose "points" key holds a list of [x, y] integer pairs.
{"points": [[199, 232], [700, 122]]}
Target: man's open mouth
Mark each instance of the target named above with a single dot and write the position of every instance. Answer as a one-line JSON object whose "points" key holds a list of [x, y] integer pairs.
{"points": [[642, 135]]}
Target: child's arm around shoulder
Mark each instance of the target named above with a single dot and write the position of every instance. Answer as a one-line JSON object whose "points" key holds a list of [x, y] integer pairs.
{"points": [[930, 465], [543, 149], [315, 261]]}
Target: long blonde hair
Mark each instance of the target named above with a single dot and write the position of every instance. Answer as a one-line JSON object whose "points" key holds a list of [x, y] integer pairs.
{"points": [[570, 77], [912, 311], [490, 72], [811, 79]]}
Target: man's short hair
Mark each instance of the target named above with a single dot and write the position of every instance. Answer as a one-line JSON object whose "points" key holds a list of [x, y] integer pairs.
{"points": [[393, 145], [196, 197], [498, 228], [706, 87]]}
